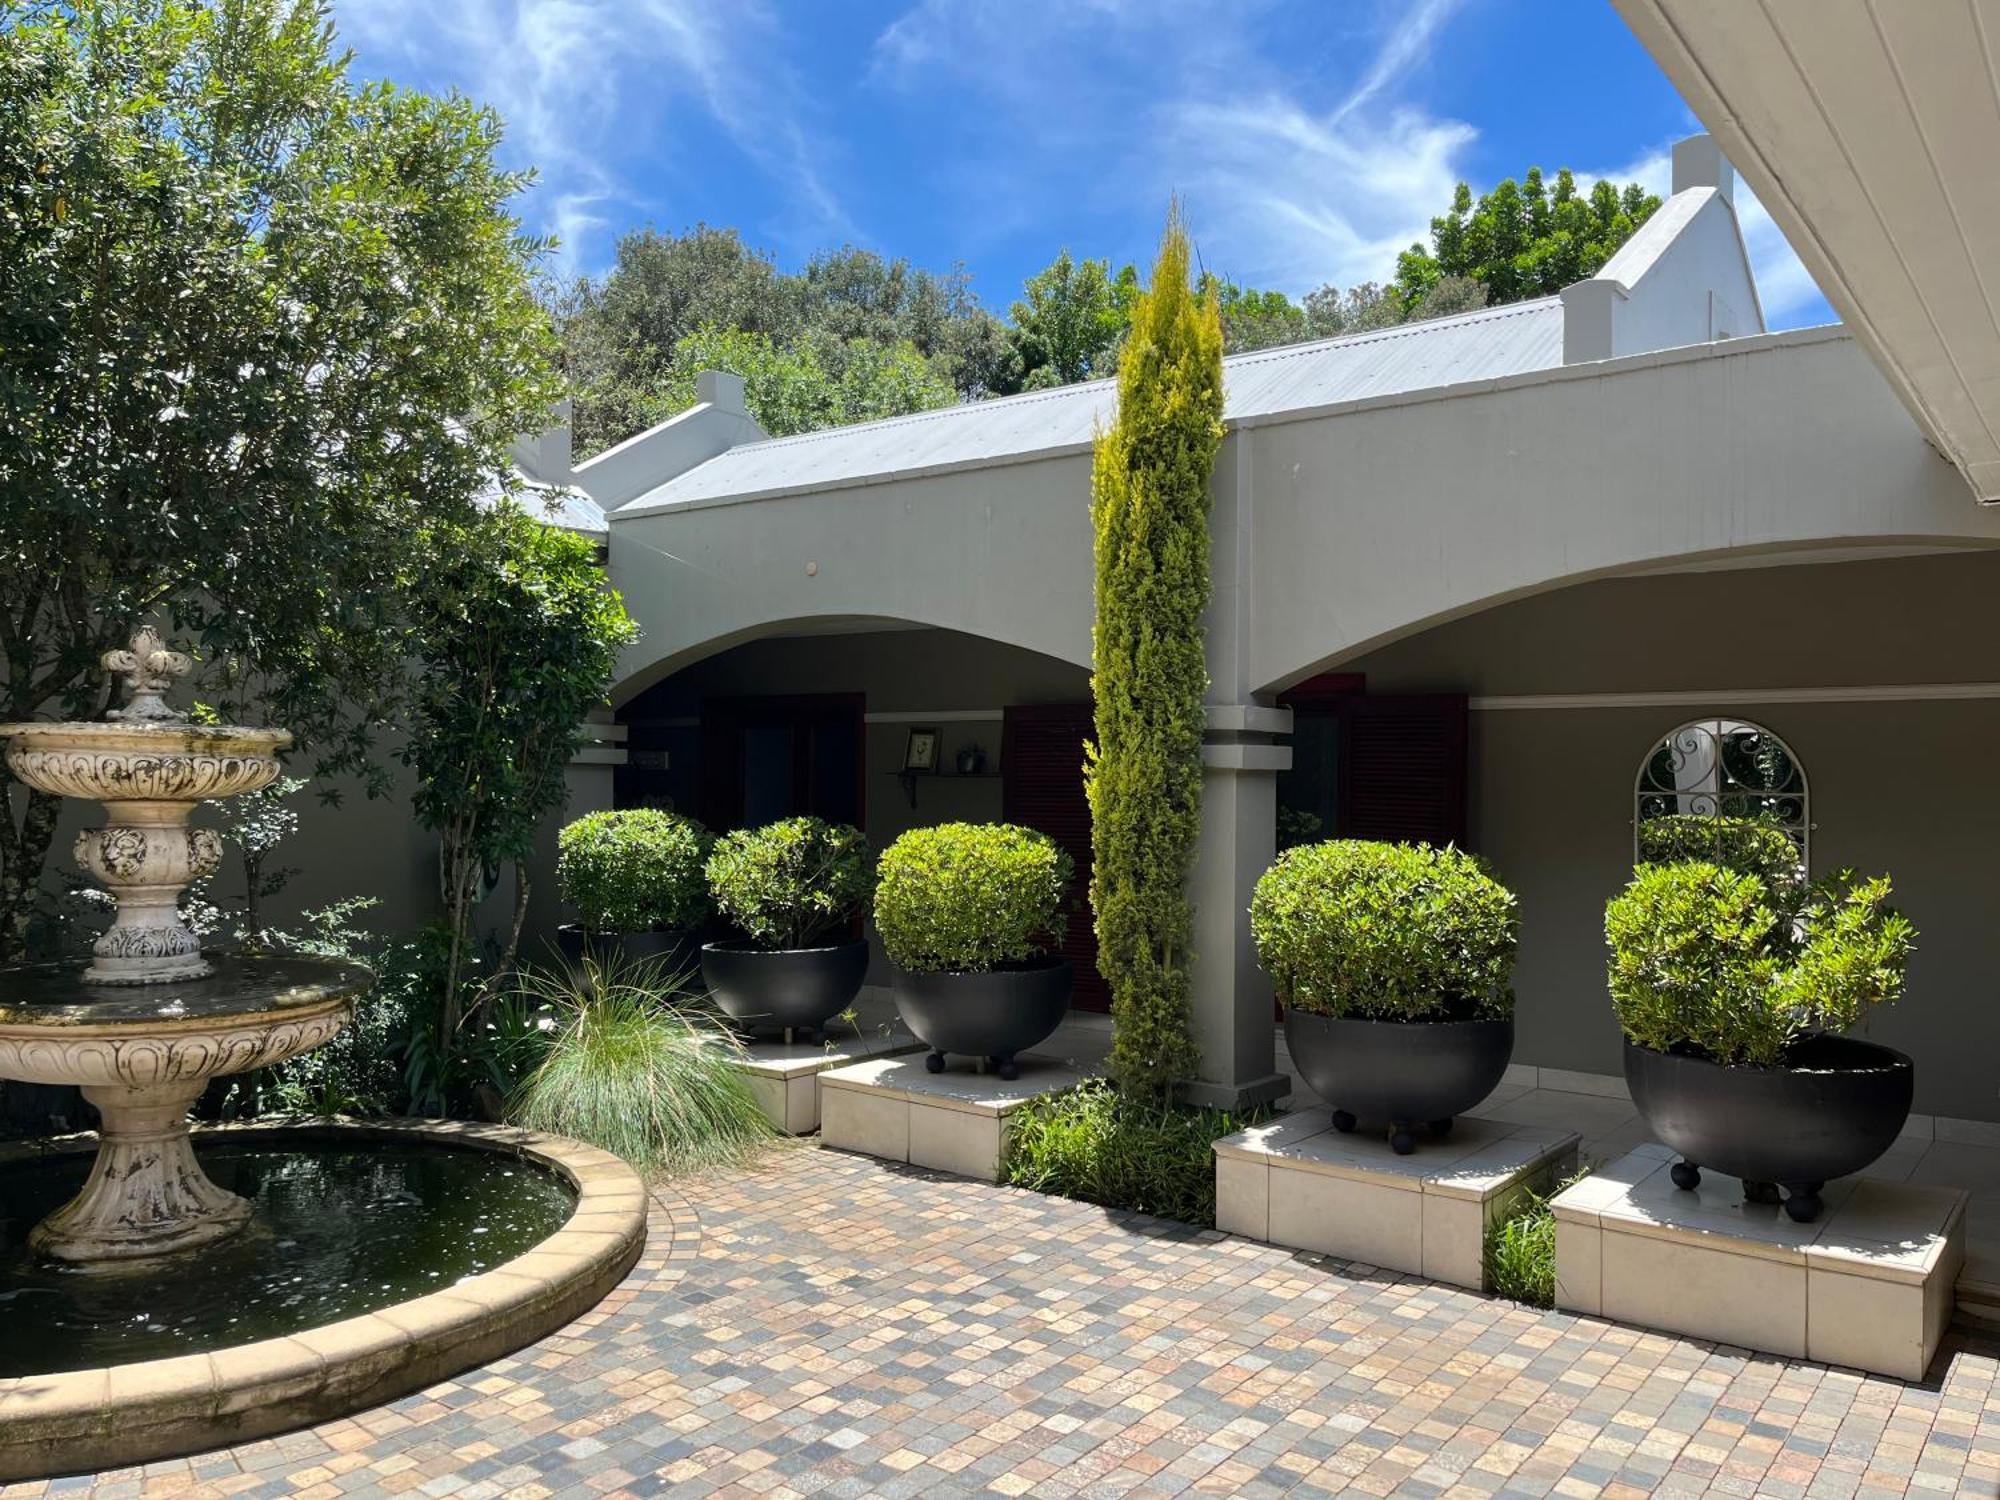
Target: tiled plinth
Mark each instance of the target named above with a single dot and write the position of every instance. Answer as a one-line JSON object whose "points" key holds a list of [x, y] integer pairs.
{"points": [[954, 1121], [784, 1076], [1869, 1284], [1299, 1182]]}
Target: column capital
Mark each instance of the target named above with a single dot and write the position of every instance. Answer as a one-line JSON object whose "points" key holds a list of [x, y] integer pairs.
{"points": [[1247, 718]]}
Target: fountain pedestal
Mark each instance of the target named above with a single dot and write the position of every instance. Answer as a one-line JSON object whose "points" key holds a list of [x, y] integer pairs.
{"points": [[143, 1056]]}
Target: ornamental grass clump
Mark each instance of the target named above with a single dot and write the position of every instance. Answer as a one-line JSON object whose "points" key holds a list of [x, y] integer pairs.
{"points": [[631, 1070], [640, 870], [964, 898], [1387, 932], [1717, 963], [793, 883]]}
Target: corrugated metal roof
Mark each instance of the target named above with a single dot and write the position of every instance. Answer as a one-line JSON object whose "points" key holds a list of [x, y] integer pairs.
{"points": [[1483, 345]]}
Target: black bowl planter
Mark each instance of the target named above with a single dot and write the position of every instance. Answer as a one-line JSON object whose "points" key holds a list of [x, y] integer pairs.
{"points": [[997, 1015], [1398, 1073], [792, 990], [1837, 1105], [679, 952]]}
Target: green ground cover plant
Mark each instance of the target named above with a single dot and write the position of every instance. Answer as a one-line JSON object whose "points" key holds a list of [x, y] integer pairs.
{"points": [[1099, 1144], [1401, 932], [1520, 1253], [794, 883], [963, 898]]}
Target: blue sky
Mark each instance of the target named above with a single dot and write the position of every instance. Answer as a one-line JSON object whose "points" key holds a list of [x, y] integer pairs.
{"points": [[1310, 141]]}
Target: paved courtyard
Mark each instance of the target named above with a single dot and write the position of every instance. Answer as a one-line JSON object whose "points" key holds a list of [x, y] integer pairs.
{"points": [[830, 1325]]}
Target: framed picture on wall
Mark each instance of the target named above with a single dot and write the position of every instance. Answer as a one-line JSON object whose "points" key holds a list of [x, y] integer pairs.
{"points": [[920, 753]]}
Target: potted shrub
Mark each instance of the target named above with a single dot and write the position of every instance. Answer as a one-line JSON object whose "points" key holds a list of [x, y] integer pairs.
{"points": [[793, 888], [1732, 991], [637, 883], [968, 913], [1392, 963]]}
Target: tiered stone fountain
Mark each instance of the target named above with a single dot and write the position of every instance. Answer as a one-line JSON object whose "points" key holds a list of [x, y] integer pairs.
{"points": [[151, 1020]]}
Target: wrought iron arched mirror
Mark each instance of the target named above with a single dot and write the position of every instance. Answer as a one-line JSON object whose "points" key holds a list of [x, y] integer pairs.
{"points": [[1703, 783]]}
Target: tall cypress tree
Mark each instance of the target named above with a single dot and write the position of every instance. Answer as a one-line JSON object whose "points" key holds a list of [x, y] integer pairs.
{"points": [[1149, 509]]}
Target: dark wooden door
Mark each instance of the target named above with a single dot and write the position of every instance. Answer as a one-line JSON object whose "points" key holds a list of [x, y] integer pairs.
{"points": [[781, 756], [1403, 768], [1041, 787]]}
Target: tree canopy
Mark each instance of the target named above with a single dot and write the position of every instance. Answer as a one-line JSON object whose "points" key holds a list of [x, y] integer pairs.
{"points": [[259, 326]]}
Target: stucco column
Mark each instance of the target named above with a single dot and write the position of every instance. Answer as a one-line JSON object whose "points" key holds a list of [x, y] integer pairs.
{"points": [[1233, 1026]]}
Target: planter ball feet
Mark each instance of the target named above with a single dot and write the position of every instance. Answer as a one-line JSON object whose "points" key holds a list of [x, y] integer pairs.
{"points": [[934, 1062], [1802, 1201], [1009, 1069], [1344, 1122], [1441, 1128], [1402, 1139], [1686, 1175], [1761, 1192]]}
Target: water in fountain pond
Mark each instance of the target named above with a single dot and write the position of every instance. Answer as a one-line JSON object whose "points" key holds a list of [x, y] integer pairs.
{"points": [[339, 1231]]}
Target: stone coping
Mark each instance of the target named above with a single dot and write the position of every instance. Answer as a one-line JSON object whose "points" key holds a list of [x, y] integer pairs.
{"points": [[1870, 1227], [775, 1059], [83, 1420], [1477, 1160], [956, 1087]]}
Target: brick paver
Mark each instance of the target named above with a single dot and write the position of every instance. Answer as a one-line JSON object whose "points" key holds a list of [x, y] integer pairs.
{"points": [[830, 1325]]}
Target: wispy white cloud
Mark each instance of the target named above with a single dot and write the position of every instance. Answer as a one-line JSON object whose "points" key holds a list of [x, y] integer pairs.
{"points": [[1293, 174], [581, 83]]}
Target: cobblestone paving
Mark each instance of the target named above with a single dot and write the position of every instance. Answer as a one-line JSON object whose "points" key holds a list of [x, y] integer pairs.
{"points": [[830, 1325]]}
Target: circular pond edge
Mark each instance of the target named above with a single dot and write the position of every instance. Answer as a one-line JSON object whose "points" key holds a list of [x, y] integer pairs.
{"points": [[78, 1421]]}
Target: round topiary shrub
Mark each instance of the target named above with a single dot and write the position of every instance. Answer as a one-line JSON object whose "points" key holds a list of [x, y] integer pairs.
{"points": [[635, 871], [1714, 962], [1753, 846], [969, 897], [1391, 932], [792, 882]]}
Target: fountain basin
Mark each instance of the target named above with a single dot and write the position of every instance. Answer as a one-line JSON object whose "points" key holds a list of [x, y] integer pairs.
{"points": [[142, 1057], [114, 1415]]}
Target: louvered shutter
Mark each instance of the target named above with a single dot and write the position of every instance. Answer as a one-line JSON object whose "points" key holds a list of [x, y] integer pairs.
{"points": [[1403, 770], [1041, 787]]}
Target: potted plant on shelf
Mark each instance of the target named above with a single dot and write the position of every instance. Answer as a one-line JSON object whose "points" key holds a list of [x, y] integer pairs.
{"points": [[1733, 990], [636, 881], [794, 888], [969, 912], [1392, 962]]}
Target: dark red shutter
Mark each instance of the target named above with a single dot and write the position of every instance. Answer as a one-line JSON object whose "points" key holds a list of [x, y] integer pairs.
{"points": [[1041, 787], [1403, 768]]}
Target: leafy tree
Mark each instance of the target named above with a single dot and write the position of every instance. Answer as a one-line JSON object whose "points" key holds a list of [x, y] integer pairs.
{"points": [[258, 327], [1149, 510], [1067, 324], [1524, 240], [517, 638], [815, 382], [1252, 319]]}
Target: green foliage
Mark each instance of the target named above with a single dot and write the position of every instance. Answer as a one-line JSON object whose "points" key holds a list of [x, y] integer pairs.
{"points": [[517, 639], [627, 1070], [1750, 846], [852, 336], [810, 383], [1390, 931], [260, 327], [1520, 1251], [790, 883], [967, 897], [1524, 239], [1094, 1143], [1708, 960], [1149, 510], [640, 870], [1067, 323]]}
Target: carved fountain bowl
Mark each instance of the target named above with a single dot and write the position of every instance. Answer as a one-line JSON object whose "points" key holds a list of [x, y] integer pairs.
{"points": [[139, 762], [250, 1013]]}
